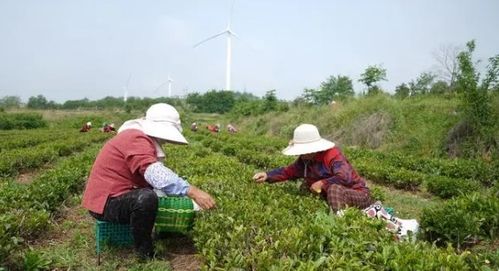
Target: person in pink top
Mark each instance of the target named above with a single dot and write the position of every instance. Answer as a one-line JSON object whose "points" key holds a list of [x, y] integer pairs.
{"points": [[231, 129], [128, 168]]}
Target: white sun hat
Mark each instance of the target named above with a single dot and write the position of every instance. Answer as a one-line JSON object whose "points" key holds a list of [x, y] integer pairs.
{"points": [[306, 139], [161, 121]]}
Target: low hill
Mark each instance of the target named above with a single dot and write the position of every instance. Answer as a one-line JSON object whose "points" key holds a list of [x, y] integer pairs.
{"points": [[416, 125]]}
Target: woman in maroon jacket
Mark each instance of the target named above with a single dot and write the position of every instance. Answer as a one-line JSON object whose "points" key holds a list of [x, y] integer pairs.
{"points": [[327, 172], [324, 168]]}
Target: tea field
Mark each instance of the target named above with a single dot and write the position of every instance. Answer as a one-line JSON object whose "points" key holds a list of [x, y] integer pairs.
{"points": [[255, 226]]}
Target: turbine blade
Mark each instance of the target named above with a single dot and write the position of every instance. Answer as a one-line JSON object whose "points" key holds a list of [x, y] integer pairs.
{"points": [[230, 14], [207, 39], [162, 84], [233, 34], [128, 81]]}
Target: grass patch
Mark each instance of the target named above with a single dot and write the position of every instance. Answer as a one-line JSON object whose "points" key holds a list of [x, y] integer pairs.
{"points": [[407, 205]]}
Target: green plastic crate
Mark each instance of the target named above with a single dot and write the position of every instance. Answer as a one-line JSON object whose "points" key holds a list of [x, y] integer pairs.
{"points": [[112, 234], [175, 214]]}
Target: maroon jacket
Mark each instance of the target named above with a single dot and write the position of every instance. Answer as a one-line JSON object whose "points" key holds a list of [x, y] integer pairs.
{"points": [[329, 166]]}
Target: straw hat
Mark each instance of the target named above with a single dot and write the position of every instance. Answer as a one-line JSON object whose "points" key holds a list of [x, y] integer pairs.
{"points": [[163, 121], [306, 139]]}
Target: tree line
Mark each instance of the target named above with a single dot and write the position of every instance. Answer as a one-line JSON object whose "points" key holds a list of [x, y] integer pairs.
{"points": [[213, 101]]}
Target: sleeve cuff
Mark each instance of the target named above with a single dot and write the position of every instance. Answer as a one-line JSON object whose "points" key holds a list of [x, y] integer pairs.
{"points": [[325, 184], [184, 187], [269, 179]]}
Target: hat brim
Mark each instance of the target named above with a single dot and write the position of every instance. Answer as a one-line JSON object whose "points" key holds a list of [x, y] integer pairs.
{"points": [[305, 148], [163, 130]]}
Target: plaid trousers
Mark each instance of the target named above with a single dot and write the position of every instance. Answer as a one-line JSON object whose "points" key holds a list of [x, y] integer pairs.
{"points": [[340, 197]]}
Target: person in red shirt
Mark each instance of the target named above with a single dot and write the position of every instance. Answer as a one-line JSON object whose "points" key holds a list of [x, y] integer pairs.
{"points": [[86, 127], [128, 168], [213, 128], [324, 168], [108, 128]]}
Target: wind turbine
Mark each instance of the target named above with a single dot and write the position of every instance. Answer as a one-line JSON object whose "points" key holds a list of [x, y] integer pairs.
{"points": [[229, 33], [170, 80], [125, 96]]}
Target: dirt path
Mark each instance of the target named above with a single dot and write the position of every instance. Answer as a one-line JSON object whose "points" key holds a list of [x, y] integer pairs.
{"points": [[26, 177], [181, 254]]}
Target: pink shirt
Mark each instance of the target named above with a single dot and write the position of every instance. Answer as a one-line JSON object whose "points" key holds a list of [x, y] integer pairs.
{"points": [[119, 168]]}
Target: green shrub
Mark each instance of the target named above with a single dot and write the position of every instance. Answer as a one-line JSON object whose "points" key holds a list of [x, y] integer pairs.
{"points": [[11, 121], [228, 150], [445, 187], [377, 194], [462, 221]]}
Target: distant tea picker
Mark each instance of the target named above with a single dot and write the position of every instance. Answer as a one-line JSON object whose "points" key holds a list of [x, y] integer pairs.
{"points": [[327, 172], [194, 127], [213, 128], [108, 128], [86, 127], [231, 128]]}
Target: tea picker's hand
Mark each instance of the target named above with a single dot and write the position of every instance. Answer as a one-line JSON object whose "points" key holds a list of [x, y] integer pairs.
{"points": [[316, 187], [260, 177], [203, 199]]}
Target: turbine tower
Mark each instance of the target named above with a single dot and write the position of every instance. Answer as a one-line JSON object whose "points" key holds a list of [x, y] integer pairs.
{"points": [[229, 33], [125, 96], [170, 80]]}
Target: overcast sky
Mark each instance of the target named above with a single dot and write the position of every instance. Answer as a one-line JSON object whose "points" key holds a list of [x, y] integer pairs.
{"points": [[72, 49]]}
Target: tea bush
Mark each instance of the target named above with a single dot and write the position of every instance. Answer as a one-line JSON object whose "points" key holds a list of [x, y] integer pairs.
{"points": [[277, 227], [25, 209], [462, 221], [31, 138], [478, 170], [447, 188], [15, 160], [9, 121]]}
